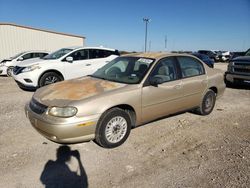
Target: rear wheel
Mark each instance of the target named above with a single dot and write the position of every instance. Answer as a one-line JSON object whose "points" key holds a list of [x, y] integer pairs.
{"points": [[207, 104], [113, 128], [49, 78]]}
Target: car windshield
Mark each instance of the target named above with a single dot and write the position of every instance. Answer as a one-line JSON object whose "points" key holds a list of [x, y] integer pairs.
{"points": [[129, 70], [17, 55], [247, 53], [57, 54]]}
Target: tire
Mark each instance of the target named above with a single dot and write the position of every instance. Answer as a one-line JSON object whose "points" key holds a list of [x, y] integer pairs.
{"points": [[228, 84], [110, 134], [207, 104], [9, 71], [49, 78]]}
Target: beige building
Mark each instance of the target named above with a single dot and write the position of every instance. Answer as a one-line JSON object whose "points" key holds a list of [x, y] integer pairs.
{"points": [[16, 38]]}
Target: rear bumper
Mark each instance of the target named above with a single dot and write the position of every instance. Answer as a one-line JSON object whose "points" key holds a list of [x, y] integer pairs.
{"points": [[26, 80]]}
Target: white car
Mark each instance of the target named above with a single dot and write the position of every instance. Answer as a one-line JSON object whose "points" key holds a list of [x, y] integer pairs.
{"points": [[225, 56], [7, 65], [64, 64]]}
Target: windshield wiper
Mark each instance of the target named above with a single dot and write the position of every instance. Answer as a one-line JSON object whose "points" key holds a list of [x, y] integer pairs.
{"points": [[93, 76]]}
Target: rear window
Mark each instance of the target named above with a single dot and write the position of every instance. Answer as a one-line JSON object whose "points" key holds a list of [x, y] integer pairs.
{"points": [[99, 53], [190, 67]]}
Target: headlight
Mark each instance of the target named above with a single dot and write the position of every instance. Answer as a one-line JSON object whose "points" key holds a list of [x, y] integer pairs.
{"points": [[31, 68], [62, 111], [229, 66], [2, 64]]}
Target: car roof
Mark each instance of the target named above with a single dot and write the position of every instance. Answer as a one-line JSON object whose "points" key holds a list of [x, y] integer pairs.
{"points": [[155, 55], [98, 48], [35, 51]]}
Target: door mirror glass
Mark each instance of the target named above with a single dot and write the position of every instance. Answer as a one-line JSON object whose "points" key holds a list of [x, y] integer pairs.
{"points": [[155, 81], [69, 59], [20, 59]]}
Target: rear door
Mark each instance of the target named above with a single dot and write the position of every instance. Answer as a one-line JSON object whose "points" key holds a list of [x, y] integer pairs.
{"points": [[194, 80]]}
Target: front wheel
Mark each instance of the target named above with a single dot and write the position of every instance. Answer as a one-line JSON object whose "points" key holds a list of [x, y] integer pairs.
{"points": [[113, 128], [207, 104], [9, 71], [49, 78]]}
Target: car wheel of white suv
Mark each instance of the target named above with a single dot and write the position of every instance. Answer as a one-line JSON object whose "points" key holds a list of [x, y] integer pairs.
{"points": [[49, 78], [9, 71]]}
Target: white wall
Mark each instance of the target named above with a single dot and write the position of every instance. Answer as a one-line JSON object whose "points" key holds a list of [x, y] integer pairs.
{"points": [[15, 39]]}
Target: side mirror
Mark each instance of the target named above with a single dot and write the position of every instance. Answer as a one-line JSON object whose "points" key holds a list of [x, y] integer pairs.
{"points": [[155, 81], [20, 59], [69, 59]]}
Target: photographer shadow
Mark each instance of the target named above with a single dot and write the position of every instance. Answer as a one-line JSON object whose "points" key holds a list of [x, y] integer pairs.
{"points": [[58, 174]]}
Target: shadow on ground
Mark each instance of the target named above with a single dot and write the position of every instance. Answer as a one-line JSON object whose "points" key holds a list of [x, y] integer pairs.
{"points": [[58, 174], [242, 87]]}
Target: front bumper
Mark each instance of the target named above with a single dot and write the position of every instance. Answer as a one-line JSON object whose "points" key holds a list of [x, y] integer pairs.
{"points": [[3, 70], [239, 78], [63, 130], [26, 80]]}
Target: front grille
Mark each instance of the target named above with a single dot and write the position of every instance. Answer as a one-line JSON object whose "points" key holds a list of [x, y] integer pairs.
{"points": [[37, 107], [17, 70], [241, 67], [241, 64], [242, 70]]}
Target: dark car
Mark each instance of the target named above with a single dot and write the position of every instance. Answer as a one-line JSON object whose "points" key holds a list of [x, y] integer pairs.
{"points": [[238, 70], [205, 59], [211, 54]]}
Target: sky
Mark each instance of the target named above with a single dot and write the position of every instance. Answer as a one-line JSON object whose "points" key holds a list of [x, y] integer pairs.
{"points": [[186, 24]]}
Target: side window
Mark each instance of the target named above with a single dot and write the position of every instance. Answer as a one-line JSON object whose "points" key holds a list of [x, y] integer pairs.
{"points": [[106, 53], [190, 67], [96, 53], [165, 69], [80, 55], [35, 55], [27, 56], [42, 54], [39, 55]]}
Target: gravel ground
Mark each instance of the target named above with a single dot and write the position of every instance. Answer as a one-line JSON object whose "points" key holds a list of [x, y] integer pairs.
{"points": [[186, 150]]}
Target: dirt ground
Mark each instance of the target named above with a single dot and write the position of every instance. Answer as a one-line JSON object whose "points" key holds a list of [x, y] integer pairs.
{"points": [[185, 150]]}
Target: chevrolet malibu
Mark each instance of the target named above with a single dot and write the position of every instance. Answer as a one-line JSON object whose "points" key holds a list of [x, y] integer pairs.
{"points": [[129, 91]]}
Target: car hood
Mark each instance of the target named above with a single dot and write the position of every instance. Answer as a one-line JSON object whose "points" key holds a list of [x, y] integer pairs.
{"points": [[5, 60], [242, 58], [62, 93], [32, 61]]}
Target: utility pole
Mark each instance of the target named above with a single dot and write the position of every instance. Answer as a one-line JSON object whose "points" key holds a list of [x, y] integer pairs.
{"points": [[166, 42], [146, 20]]}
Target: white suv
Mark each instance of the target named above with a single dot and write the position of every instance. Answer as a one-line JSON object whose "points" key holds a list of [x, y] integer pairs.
{"points": [[64, 64], [7, 65]]}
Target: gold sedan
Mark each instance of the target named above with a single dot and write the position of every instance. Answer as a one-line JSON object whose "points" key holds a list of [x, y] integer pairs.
{"points": [[129, 91]]}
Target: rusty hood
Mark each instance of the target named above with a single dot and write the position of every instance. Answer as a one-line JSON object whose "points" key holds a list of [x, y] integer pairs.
{"points": [[62, 93]]}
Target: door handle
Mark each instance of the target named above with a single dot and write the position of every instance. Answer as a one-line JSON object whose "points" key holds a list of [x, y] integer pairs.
{"points": [[88, 64], [204, 81]]}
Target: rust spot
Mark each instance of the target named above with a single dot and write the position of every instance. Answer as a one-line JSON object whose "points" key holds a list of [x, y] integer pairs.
{"points": [[77, 89]]}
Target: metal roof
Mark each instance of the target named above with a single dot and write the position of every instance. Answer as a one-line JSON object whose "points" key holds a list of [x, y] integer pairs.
{"points": [[43, 30]]}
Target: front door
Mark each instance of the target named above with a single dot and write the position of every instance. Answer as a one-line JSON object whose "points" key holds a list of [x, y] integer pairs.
{"points": [[165, 98], [80, 66]]}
